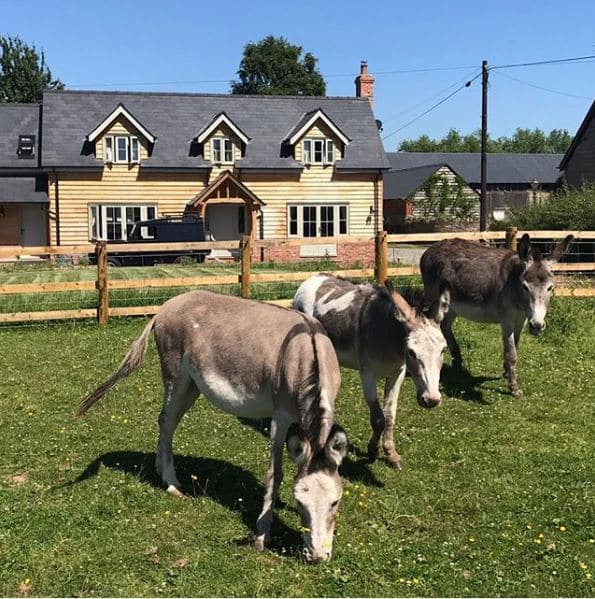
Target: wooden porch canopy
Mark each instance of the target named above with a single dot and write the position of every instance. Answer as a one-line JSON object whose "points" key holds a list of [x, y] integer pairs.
{"points": [[228, 189]]}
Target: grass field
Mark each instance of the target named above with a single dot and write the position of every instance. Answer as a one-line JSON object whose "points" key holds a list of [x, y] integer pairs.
{"points": [[496, 495]]}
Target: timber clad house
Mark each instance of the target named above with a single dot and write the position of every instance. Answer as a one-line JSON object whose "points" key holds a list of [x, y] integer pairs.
{"points": [[578, 164], [268, 166]]}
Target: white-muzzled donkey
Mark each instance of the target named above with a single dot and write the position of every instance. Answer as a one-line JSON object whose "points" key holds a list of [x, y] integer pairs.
{"points": [[496, 285], [377, 332], [252, 360]]}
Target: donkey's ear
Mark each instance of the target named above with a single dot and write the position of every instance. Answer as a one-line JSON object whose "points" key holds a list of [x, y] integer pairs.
{"points": [[524, 248], [336, 446], [440, 307], [299, 449], [560, 249], [403, 311]]}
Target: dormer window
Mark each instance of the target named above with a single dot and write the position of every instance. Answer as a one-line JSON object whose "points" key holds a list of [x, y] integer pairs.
{"points": [[26, 147], [318, 151], [121, 149], [222, 150]]}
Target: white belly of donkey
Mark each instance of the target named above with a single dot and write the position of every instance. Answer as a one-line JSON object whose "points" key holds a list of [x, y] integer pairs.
{"points": [[234, 398]]}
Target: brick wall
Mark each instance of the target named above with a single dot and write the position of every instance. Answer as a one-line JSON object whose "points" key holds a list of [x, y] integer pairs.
{"points": [[347, 254]]}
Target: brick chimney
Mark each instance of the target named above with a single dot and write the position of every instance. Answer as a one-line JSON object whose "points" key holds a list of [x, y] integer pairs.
{"points": [[364, 84]]}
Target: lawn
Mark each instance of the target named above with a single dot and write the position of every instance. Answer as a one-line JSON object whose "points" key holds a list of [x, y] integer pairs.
{"points": [[495, 497]]}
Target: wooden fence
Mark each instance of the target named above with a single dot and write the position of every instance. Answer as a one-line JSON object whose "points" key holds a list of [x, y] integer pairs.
{"points": [[245, 278]]}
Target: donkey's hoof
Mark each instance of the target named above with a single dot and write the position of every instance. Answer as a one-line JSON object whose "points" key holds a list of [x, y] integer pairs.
{"points": [[261, 542], [518, 393], [394, 462], [173, 490]]}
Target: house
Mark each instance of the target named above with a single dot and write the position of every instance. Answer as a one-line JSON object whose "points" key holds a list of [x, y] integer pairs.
{"points": [[427, 193], [24, 201], [578, 164], [268, 166], [513, 180]]}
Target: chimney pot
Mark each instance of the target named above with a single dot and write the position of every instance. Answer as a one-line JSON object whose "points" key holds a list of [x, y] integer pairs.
{"points": [[364, 84]]}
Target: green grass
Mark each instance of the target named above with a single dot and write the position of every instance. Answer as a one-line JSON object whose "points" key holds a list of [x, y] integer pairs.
{"points": [[495, 497]]}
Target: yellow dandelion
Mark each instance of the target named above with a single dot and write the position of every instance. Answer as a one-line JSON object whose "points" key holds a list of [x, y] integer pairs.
{"points": [[346, 492], [541, 535], [194, 477], [591, 540], [583, 565], [361, 503], [588, 575], [471, 540], [27, 581], [562, 528], [167, 512], [538, 541]]}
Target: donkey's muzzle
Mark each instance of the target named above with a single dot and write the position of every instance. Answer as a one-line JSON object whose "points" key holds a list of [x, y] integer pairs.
{"points": [[426, 400], [535, 328]]}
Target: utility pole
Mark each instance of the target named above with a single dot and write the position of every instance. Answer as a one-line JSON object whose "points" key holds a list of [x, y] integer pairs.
{"points": [[483, 204]]}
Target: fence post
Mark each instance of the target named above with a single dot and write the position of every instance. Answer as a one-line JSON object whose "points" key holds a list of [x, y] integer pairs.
{"points": [[101, 284], [511, 238], [246, 258], [381, 253]]}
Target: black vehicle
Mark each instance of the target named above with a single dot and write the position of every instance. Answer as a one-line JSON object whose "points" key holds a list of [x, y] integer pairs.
{"points": [[168, 229]]}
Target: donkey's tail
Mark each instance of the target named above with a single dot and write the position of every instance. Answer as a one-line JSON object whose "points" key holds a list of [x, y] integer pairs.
{"points": [[131, 362]]}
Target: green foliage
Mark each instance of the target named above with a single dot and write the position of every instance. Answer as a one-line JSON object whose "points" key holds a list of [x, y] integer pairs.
{"points": [[445, 201], [567, 209], [275, 67], [24, 75], [529, 141], [495, 497]]}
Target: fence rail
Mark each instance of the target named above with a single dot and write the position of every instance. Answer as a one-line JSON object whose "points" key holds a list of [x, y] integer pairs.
{"points": [[104, 283]]}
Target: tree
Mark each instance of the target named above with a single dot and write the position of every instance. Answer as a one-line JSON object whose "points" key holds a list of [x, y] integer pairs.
{"points": [[522, 141], [274, 67], [24, 75]]}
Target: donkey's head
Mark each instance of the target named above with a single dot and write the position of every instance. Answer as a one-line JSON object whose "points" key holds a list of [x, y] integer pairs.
{"points": [[318, 489], [424, 343], [536, 280]]}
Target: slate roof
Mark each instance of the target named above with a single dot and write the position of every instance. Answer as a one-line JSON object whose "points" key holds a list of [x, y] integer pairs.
{"points": [[15, 120], [578, 137], [399, 185], [175, 118], [501, 168], [23, 190]]}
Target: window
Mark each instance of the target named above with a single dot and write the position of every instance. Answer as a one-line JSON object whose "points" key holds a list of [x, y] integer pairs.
{"points": [[121, 149], [321, 220], [26, 147], [222, 150], [319, 151], [115, 222]]}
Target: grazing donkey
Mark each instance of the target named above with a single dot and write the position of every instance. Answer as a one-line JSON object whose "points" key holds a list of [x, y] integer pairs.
{"points": [[493, 285], [376, 331], [253, 360]]}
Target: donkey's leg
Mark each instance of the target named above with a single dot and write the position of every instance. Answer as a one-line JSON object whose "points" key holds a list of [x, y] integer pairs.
{"points": [[369, 382], [510, 356], [279, 426], [392, 388], [179, 397], [453, 346]]}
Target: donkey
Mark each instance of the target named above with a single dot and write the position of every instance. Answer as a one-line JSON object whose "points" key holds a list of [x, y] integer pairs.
{"points": [[252, 360], [377, 332], [493, 285]]}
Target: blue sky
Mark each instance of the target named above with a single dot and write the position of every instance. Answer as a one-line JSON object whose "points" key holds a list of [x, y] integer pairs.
{"points": [[197, 46]]}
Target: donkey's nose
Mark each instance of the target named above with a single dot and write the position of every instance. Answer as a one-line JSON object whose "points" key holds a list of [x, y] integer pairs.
{"points": [[536, 327], [430, 401]]}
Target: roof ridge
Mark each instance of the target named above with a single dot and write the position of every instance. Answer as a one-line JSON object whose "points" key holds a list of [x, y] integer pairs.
{"points": [[198, 94]]}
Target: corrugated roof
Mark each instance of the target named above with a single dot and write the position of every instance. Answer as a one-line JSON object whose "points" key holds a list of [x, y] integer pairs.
{"points": [[15, 120], [23, 190], [175, 118], [501, 168]]}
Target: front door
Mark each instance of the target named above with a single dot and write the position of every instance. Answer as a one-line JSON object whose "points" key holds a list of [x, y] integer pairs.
{"points": [[34, 225], [10, 224], [224, 223]]}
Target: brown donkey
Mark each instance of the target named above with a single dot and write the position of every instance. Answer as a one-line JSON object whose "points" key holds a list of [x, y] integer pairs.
{"points": [[493, 285], [252, 360]]}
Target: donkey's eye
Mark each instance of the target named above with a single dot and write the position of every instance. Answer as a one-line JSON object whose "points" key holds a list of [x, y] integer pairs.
{"points": [[335, 503], [411, 354], [550, 288]]}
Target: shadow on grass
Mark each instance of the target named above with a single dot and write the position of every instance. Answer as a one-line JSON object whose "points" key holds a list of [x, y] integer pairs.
{"points": [[227, 484], [461, 384]]}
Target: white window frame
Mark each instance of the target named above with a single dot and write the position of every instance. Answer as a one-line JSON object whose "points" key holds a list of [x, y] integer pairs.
{"points": [[295, 215], [111, 146], [98, 219], [326, 150], [226, 146]]}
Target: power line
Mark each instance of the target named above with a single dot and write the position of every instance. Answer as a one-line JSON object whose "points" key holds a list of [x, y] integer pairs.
{"points": [[456, 91], [542, 62], [547, 89]]}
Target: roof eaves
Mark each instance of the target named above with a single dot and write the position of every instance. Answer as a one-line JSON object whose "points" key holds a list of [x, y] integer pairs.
{"points": [[576, 140], [221, 118], [301, 127]]}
